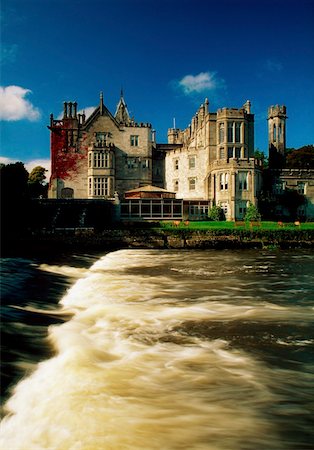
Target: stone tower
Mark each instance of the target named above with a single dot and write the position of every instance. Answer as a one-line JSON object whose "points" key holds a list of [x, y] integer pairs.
{"points": [[276, 135]]}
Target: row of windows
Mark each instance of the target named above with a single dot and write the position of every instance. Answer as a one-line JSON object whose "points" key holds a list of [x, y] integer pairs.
{"points": [[192, 184], [242, 180], [233, 132], [98, 186], [280, 186], [102, 137], [233, 152], [192, 163], [137, 163], [99, 159]]}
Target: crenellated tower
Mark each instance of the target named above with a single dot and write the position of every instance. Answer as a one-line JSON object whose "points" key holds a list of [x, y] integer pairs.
{"points": [[276, 135]]}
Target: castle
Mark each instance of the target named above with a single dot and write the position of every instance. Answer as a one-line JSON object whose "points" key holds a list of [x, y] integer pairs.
{"points": [[211, 162]]}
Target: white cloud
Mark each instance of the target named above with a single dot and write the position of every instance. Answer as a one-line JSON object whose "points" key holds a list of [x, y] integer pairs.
{"points": [[5, 160], [204, 81], [29, 166], [14, 106], [88, 110]]}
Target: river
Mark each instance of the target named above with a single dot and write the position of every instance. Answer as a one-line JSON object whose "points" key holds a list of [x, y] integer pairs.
{"points": [[158, 349]]}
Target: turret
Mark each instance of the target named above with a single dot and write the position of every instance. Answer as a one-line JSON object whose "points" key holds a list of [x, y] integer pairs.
{"points": [[276, 135]]}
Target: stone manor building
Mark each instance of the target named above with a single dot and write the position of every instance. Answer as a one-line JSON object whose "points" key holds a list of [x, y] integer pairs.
{"points": [[95, 158], [211, 162]]}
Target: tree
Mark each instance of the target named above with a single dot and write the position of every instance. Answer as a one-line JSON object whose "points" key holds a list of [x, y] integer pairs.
{"points": [[37, 175], [292, 200], [36, 182], [260, 155], [252, 213], [302, 158], [14, 198]]}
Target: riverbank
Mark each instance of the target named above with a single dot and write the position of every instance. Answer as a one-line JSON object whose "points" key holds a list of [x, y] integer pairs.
{"points": [[155, 238]]}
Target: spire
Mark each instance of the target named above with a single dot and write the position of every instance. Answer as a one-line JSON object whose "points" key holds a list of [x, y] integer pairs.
{"points": [[122, 113], [101, 105]]}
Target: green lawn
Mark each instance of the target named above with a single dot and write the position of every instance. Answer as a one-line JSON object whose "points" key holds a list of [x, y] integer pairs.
{"points": [[231, 225]]}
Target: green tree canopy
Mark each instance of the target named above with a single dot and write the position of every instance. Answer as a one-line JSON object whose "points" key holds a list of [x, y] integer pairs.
{"points": [[36, 182], [302, 158], [258, 154], [37, 175]]}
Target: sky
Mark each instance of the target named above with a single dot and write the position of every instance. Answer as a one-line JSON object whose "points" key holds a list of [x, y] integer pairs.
{"points": [[166, 55]]}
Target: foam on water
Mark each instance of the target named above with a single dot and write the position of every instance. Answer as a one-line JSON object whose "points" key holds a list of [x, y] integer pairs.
{"points": [[125, 377]]}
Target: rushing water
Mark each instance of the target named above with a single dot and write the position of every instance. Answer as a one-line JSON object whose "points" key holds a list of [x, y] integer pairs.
{"points": [[160, 350]]}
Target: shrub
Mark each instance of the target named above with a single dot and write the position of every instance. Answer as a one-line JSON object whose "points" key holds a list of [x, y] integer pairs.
{"points": [[216, 214], [252, 213]]}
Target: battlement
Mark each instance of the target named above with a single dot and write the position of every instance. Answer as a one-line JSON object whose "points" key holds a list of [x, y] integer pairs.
{"points": [[277, 111]]}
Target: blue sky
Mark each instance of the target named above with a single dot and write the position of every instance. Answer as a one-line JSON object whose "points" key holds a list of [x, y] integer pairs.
{"points": [[168, 55]]}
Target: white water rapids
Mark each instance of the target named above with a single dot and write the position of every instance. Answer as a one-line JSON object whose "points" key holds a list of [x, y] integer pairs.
{"points": [[128, 374]]}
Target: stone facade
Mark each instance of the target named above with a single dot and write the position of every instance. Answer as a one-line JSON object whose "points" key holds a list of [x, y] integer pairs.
{"points": [[301, 181], [284, 180], [213, 159], [211, 162], [104, 154]]}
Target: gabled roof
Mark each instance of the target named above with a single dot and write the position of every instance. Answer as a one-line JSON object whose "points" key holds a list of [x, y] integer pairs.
{"points": [[101, 110]]}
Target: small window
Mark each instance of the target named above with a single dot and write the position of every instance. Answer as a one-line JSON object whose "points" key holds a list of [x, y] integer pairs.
{"points": [[230, 132], [221, 133], [134, 140], [226, 181], [238, 131], [238, 152], [274, 133], [176, 185], [222, 181], [230, 152], [101, 136], [243, 181], [145, 164], [192, 162], [176, 164], [224, 207], [301, 188], [221, 153], [224, 178], [192, 184]]}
